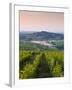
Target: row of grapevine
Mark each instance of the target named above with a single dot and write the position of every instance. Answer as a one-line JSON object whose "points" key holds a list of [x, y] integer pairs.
{"points": [[30, 69], [55, 62], [43, 70], [24, 58]]}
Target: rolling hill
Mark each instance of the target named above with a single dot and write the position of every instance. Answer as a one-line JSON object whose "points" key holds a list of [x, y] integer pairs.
{"points": [[43, 35]]}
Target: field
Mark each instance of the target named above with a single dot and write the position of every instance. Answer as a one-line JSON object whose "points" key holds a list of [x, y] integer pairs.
{"points": [[38, 61], [41, 64], [41, 55]]}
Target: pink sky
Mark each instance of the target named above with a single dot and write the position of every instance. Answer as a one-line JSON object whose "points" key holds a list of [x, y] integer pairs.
{"points": [[41, 21]]}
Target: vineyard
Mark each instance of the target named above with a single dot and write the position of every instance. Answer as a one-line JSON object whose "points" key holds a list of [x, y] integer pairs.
{"points": [[45, 64]]}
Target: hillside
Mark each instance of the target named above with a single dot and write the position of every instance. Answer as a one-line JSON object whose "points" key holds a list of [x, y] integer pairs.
{"points": [[43, 35]]}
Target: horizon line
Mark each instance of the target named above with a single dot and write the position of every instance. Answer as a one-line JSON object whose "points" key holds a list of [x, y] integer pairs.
{"points": [[42, 31]]}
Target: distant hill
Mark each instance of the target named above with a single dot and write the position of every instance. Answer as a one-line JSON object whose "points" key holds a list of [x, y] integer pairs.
{"points": [[43, 35]]}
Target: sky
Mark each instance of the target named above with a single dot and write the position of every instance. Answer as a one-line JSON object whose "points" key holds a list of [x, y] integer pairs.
{"points": [[42, 21]]}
